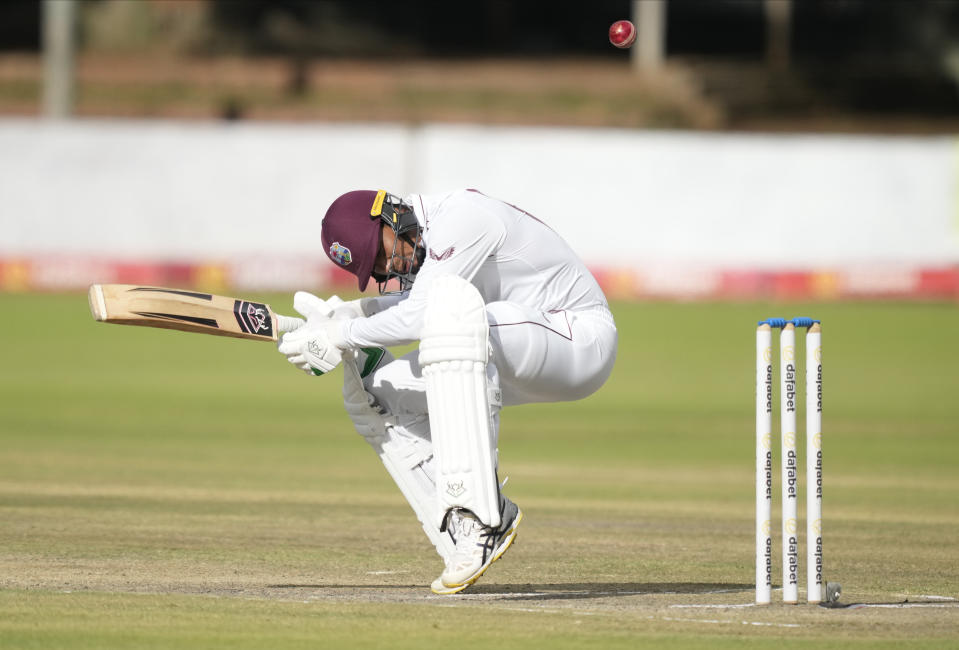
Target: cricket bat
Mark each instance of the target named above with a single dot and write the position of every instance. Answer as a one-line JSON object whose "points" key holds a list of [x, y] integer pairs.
{"points": [[180, 309]]}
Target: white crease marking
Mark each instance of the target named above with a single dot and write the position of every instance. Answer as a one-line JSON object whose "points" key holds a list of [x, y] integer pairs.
{"points": [[729, 606]]}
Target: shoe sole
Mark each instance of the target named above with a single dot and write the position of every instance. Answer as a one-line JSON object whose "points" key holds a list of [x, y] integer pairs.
{"points": [[443, 589]]}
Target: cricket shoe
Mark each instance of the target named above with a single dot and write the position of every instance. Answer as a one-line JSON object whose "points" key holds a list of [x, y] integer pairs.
{"points": [[477, 546]]}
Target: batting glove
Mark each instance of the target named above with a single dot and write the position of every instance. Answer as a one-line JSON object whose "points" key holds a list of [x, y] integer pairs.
{"points": [[313, 346]]}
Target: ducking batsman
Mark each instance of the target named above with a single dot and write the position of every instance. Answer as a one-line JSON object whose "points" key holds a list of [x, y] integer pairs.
{"points": [[505, 313]]}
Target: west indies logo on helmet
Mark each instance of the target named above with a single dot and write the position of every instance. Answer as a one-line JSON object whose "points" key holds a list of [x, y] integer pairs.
{"points": [[351, 233], [340, 254]]}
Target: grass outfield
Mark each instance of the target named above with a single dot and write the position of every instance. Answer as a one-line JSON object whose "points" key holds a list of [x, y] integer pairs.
{"points": [[161, 489]]}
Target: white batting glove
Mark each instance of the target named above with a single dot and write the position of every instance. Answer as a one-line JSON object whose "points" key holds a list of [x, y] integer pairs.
{"points": [[313, 307], [310, 346], [334, 305], [347, 310]]}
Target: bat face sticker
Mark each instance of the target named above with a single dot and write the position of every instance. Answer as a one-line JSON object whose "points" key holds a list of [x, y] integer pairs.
{"points": [[253, 317]]}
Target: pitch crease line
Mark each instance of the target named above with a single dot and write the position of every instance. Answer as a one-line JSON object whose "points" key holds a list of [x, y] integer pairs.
{"points": [[730, 606]]}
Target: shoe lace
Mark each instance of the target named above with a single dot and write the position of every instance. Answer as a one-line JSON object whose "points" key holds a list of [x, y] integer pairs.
{"points": [[465, 526]]}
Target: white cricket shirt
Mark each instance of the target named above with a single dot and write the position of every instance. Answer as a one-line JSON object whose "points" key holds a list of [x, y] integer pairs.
{"points": [[505, 252]]}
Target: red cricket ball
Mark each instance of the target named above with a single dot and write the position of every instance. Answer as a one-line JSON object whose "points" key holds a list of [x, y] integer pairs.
{"points": [[622, 34]]}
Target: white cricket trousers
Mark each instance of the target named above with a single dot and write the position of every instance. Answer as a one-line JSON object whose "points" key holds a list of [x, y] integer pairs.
{"points": [[538, 357]]}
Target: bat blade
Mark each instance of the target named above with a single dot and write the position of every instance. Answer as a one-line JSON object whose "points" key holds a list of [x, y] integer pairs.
{"points": [[180, 309]]}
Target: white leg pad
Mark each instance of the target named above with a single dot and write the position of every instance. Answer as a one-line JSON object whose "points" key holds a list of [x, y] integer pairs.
{"points": [[408, 459], [454, 349]]}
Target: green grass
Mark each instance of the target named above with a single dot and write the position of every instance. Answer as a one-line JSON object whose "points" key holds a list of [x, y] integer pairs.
{"points": [[161, 489]]}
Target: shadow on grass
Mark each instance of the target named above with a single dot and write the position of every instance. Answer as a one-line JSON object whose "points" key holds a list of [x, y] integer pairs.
{"points": [[556, 591], [901, 604]]}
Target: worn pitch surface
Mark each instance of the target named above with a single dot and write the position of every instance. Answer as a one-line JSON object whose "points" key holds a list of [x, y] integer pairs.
{"points": [[168, 489]]}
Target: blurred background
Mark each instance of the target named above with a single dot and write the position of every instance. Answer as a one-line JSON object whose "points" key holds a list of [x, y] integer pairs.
{"points": [[740, 149]]}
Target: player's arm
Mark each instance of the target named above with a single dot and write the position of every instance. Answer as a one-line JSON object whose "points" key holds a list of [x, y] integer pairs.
{"points": [[367, 306], [315, 343], [459, 245]]}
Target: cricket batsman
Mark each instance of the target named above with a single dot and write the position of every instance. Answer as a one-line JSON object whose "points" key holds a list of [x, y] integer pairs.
{"points": [[504, 312]]}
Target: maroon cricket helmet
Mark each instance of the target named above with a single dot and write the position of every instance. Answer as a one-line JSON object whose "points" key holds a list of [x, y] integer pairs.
{"points": [[351, 233]]}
